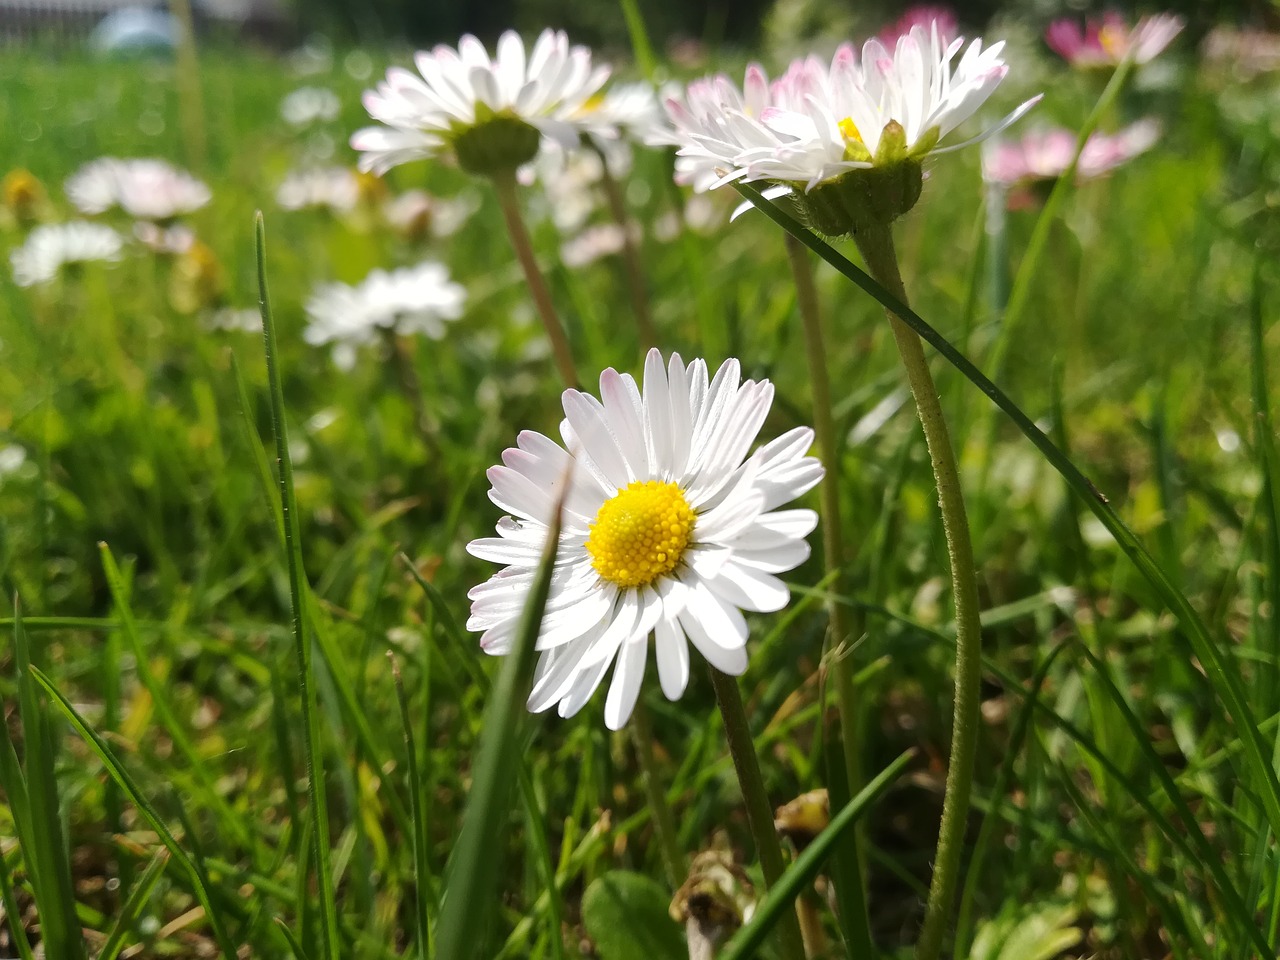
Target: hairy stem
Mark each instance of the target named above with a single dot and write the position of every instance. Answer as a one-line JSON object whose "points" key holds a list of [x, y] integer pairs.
{"points": [[876, 246], [505, 185]]}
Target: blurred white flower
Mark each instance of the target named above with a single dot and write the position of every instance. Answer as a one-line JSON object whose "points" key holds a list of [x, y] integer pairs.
{"points": [[417, 213], [147, 189], [570, 184], [1046, 154], [591, 244], [308, 105], [235, 319], [489, 114], [52, 246], [12, 457], [406, 301], [332, 188], [669, 528], [172, 240], [1105, 43]]}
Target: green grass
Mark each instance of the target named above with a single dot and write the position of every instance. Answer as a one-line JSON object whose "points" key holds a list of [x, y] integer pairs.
{"points": [[154, 763]]}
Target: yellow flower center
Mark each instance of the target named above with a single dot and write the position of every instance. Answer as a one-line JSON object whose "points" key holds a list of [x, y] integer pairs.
{"points": [[1113, 39], [849, 130], [641, 533]]}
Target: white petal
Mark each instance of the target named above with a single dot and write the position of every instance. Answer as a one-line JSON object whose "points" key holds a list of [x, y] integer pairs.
{"points": [[628, 672], [672, 650]]}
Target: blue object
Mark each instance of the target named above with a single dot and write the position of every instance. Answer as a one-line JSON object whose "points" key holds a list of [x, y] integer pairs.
{"points": [[134, 30]]}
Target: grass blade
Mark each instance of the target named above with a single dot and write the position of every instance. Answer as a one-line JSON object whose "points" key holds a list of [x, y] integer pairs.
{"points": [[318, 801], [118, 773], [641, 48], [17, 933], [421, 866], [782, 895], [133, 906], [47, 853], [1222, 674], [472, 871]]}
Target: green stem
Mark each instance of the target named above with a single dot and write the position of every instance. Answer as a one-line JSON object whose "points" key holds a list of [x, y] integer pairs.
{"points": [[759, 812], [505, 186], [630, 253], [663, 822], [876, 246], [839, 614]]}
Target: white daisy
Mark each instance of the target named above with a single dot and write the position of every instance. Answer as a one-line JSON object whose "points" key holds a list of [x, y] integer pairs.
{"points": [[487, 113], [816, 123], [669, 528], [308, 105], [332, 188], [407, 301], [52, 246], [417, 213], [147, 189]]}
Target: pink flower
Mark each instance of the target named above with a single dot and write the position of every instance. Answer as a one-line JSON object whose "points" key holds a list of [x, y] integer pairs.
{"points": [[922, 14], [1106, 43], [1046, 155]]}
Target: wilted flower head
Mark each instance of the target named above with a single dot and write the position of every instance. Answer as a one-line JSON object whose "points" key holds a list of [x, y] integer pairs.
{"points": [[308, 105], [23, 195], [852, 136], [405, 301], [1105, 43], [669, 527], [52, 246], [488, 114], [147, 189], [198, 280], [1046, 154]]}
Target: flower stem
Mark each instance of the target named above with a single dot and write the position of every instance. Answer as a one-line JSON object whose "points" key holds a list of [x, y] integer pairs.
{"points": [[663, 822], [759, 812], [876, 246], [833, 548], [630, 253], [505, 185]]}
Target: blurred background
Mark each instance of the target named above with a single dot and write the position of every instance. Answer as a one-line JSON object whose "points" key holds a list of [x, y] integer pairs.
{"points": [[125, 25]]}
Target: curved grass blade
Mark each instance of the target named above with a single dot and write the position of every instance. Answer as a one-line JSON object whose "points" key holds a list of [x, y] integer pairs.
{"points": [[1225, 681], [318, 801], [298, 952], [132, 908], [47, 858], [117, 772], [472, 870], [802, 872]]}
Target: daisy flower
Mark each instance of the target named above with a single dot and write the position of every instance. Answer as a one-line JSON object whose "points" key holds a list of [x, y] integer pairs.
{"points": [[862, 125], [488, 113], [337, 189], [308, 105], [50, 247], [416, 213], [1106, 43], [1045, 155], [406, 301], [669, 528], [146, 189]]}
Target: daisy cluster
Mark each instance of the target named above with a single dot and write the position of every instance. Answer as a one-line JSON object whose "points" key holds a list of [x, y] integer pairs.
{"points": [[819, 124]]}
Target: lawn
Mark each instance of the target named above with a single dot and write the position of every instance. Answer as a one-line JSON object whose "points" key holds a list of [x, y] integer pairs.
{"points": [[1121, 807]]}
